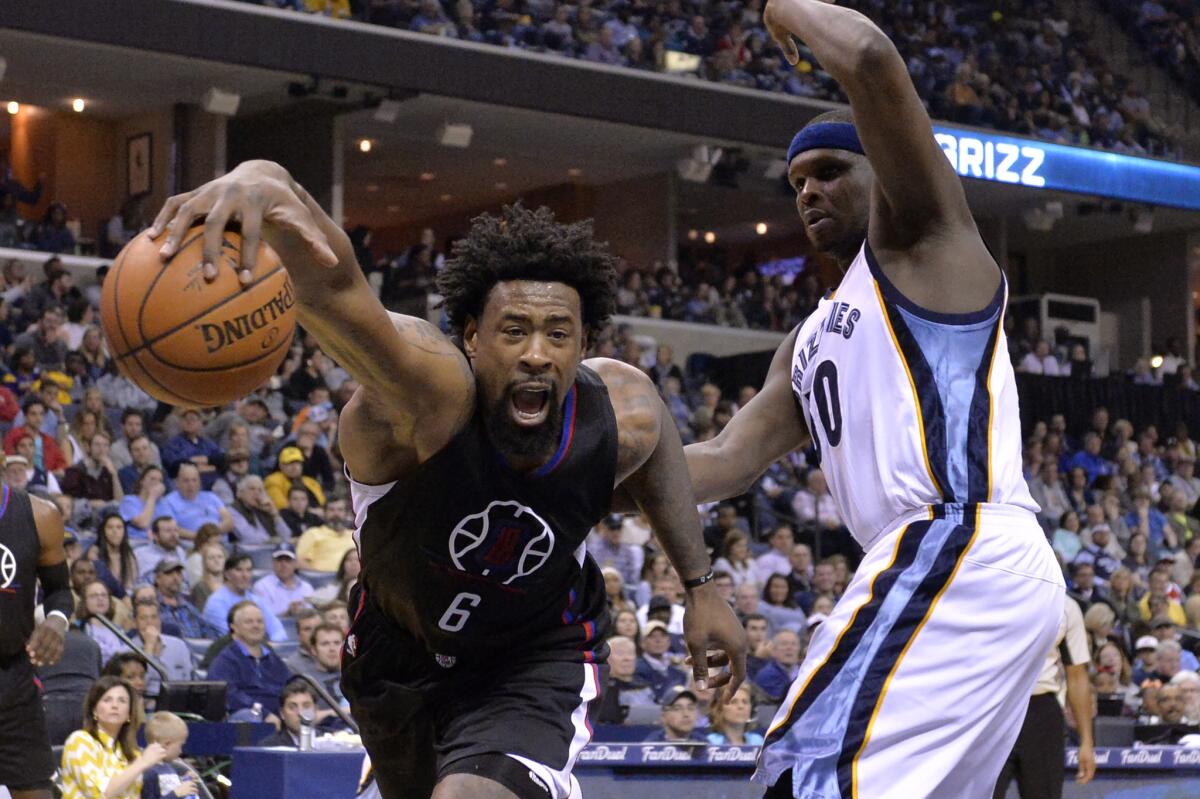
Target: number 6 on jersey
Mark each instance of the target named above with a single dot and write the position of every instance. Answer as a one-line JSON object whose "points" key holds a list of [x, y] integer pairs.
{"points": [[455, 617]]}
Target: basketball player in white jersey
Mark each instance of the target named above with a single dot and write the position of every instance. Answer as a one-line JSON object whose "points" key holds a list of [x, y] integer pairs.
{"points": [[917, 684]]}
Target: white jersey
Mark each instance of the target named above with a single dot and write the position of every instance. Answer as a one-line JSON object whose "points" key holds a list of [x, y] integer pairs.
{"points": [[908, 408]]}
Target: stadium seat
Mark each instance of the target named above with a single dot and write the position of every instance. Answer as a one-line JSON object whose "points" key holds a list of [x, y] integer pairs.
{"points": [[1112, 731], [318, 579], [644, 714], [198, 646], [260, 557], [763, 715], [289, 626], [285, 649]]}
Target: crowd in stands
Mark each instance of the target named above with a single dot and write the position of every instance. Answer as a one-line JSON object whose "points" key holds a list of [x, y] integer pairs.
{"points": [[1024, 67], [1168, 30]]}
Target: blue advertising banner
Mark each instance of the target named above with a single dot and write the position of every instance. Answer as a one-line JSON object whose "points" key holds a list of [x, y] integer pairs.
{"points": [[1081, 170]]}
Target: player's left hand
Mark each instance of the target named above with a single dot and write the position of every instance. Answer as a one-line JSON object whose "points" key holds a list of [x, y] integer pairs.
{"points": [[1087, 765], [45, 646], [709, 624], [773, 21]]}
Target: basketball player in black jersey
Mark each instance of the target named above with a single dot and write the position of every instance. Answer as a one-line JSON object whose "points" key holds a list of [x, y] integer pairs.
{"points": [[31, 550], [478, 469]]}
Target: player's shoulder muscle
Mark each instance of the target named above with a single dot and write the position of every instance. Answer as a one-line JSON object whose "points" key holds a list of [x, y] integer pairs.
{"points": [[637, 407]]}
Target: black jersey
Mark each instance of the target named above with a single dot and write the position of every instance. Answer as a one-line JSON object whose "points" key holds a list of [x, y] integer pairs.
{"points": [[473, 557], [19, 553]]}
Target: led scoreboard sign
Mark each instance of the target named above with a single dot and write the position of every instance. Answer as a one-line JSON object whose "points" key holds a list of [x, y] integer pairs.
{"points": [[1042, 165]]}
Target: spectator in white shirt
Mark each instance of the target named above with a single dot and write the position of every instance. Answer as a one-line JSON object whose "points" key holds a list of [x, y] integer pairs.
{"points": [[172, 652], [1185, 481], [604, 544], [283, 592], [776, 560], [1041, 361], [1048, 492], [1172, 360], [164, 544], [735, 558], [815, 505]]}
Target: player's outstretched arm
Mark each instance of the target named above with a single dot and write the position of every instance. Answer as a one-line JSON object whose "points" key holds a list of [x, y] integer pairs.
{"points": [[768, 428], [652, 471], [415, 383], [918, 191]]}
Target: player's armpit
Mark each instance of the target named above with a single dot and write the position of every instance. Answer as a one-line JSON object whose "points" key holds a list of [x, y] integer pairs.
{"points": [[768, 428]]}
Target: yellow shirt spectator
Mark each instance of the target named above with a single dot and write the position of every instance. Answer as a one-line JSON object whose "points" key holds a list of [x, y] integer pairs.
{"points": [[338, 9], [322, 548], [1174, 611], [291, 468], [88, 764]]}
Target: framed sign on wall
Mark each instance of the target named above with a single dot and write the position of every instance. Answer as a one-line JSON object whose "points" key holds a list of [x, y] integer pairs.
{"points": [[139, 163]]}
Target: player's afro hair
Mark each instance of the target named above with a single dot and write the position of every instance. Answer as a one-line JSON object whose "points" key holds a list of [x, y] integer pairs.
{"points": [[524, 244]]}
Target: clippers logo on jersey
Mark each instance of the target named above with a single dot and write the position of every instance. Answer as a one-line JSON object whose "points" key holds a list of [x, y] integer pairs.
{"points": [[8, 567], [505, 541]]}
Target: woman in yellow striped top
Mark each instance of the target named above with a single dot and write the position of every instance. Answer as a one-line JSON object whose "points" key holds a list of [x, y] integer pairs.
{"points": [[102, 761]]}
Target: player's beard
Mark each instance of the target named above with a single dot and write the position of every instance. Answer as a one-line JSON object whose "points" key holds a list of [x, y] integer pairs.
{"points": [[517, 442]]}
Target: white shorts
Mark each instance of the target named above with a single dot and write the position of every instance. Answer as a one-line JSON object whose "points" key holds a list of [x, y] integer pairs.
{"points": [[917, 684]]}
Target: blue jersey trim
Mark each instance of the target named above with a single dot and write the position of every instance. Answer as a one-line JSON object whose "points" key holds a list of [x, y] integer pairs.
{"points": [[893, 295]]}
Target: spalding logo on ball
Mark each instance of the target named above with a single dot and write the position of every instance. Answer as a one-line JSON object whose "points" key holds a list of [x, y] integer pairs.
{"points": [[191, 342], [505, 541]]}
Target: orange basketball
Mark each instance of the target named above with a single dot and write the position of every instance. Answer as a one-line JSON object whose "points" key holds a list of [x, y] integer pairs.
{"points": [[189, 342]]}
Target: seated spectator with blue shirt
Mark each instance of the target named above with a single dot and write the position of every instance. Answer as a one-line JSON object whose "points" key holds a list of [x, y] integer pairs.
{"points": [[238, 574], [141, 455], [191, 446], [251, 671], [142, 504], [284, 592], [191, 506], [654, 666], [729, 723], [164, 545], [171, 652], [776, 677], [179, 616], [1089, 459], [678, 717]]}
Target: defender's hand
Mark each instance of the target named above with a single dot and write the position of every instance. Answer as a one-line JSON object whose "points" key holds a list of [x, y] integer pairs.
{"points": [[255, 193], [45, 646], [710, 624]]}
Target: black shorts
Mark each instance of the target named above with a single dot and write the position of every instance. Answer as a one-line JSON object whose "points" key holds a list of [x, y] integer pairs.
{"points": [[519, 721], [26, 762]]}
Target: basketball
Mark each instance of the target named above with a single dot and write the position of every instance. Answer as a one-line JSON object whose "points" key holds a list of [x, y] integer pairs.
{"points": [[190, 342]]}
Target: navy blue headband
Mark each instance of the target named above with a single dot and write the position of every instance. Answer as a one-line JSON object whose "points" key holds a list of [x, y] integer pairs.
{"points": [[826, 136]]}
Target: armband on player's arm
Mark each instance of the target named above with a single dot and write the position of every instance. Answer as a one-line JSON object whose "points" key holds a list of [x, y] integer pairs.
{"points": [[56, 588]]}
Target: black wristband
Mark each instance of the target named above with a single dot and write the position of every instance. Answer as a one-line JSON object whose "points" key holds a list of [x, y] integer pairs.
{"points": [[696, 582]]}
